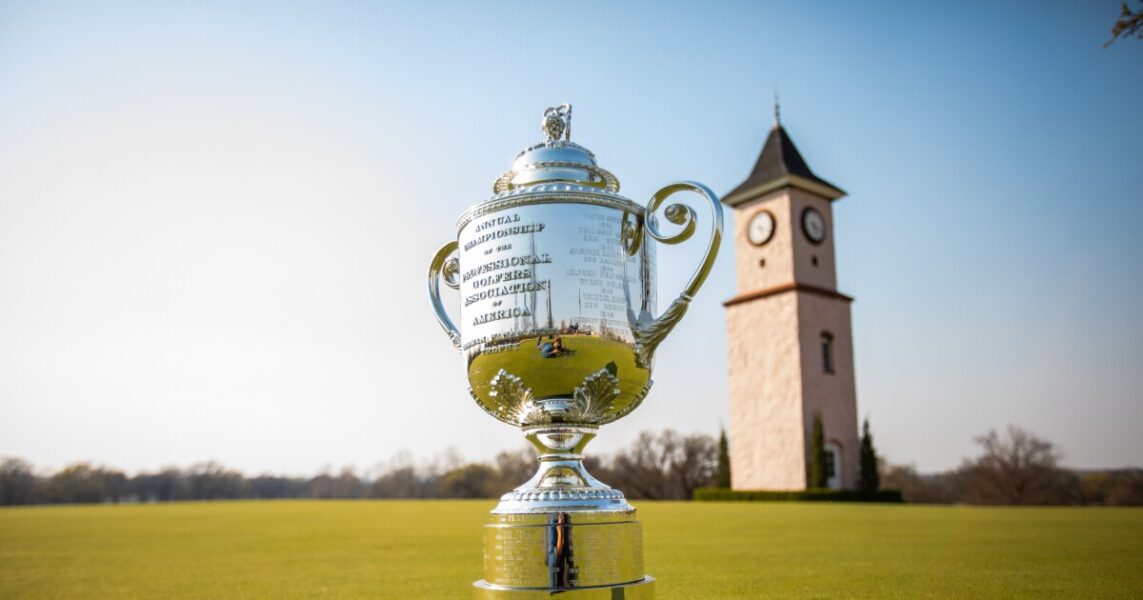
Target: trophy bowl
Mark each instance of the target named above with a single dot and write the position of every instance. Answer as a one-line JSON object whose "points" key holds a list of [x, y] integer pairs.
{"points": [[557, 288], [558, 326]]}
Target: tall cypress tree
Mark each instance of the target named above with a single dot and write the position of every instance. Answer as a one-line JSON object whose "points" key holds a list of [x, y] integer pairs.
{"points": [[722, 478], [870, 480], [818, 476]]}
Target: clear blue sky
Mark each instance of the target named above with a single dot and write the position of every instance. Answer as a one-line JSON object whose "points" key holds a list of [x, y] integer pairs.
{"points": [[215, 220]]}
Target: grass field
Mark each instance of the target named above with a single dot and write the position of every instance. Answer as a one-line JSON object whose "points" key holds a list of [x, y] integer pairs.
{"points": [[431, 549]]}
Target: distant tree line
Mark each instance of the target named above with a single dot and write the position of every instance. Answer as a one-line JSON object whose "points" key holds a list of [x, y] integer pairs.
{"points": [[1017, 468], [666, 465]]}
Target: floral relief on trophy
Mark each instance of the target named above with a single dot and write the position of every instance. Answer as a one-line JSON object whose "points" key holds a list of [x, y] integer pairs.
{"points": [[514, 401], [589, 405], [594, 398]]}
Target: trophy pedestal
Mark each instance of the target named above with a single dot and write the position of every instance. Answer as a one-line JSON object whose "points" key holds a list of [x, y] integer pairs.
{"points": [[572, 554], [563, 532]]}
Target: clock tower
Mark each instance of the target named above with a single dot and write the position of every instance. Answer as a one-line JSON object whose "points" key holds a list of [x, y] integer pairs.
{"points": [[789, 334]]}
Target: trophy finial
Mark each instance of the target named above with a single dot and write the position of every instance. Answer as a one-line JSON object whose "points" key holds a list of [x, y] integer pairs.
{"points": [[557, 122]]}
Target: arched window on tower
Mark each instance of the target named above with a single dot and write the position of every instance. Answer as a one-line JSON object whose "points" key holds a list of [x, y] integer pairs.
{"points": [[827, 352], [833, 464]]}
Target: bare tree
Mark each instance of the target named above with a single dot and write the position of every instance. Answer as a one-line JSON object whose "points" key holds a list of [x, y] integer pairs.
{"points": [[347, 484], [213, 481], [1018, 468], [473, 480], [400, 478], [398, 482], [163, 486], [695, 464], [664, 466], [1129, 24], [641, 470], [320, 485], [82, 482], [18, 483], [513, 468]]}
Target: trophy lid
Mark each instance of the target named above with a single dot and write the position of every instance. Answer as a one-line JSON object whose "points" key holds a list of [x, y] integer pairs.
{"points": [[556, 160]]}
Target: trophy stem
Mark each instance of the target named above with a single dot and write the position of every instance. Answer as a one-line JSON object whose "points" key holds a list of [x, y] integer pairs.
{"points": [[562, 483]]}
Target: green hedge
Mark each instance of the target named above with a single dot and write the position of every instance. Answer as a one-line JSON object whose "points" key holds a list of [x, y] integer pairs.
{"points": [[724, 494]]}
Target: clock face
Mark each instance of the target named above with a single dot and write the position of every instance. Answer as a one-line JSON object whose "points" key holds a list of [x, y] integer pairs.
{"points": [[813, 225], [761, 228]]}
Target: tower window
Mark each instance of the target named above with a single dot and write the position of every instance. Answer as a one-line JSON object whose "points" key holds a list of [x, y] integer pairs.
{"points": [[833, 465], [827, 352], [814, 260]]}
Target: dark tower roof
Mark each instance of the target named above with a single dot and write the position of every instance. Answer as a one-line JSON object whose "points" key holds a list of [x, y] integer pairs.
{"points": [[780, 165]]}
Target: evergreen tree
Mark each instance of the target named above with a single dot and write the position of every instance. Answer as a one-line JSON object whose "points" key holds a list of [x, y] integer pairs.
{"points": [[818, 475], [722, 477], [870, 479]]}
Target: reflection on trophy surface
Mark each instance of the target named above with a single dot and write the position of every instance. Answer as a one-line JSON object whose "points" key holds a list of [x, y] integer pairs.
{"points": [[558, 325]]}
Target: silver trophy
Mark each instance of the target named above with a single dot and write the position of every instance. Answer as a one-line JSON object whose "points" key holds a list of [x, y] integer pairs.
{"points": [[558, 327]]}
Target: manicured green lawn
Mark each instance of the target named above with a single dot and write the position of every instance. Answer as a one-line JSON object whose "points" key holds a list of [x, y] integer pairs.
{"points": [[432, 549]]}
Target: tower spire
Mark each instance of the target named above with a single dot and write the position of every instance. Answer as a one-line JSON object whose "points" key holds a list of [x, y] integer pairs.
{"points": [[779, 165]]}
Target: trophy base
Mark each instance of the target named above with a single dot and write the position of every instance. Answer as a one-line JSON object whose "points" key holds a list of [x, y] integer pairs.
{"points": [[639, 590], [571, 554]]}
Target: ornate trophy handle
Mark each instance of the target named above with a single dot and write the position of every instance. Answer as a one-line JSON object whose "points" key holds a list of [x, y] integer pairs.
{"points": [[681, 214], [444, 268], [649, 330]]}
